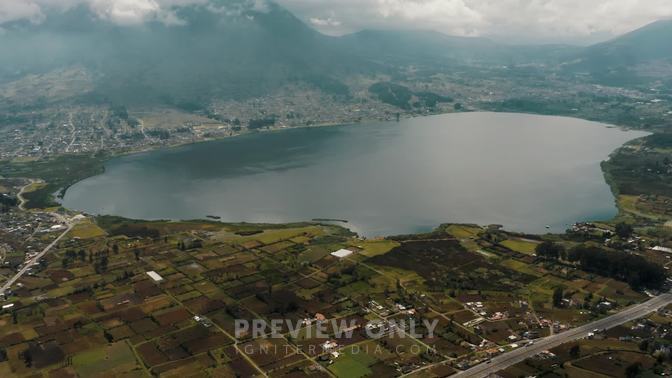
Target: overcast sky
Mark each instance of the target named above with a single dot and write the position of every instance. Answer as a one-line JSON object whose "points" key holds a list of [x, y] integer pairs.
{"points": [[576, 21]]}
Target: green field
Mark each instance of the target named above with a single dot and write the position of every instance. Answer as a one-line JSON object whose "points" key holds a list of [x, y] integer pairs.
{"points": [[116, 358], [353, 363], [59, 173], [520, 245]]}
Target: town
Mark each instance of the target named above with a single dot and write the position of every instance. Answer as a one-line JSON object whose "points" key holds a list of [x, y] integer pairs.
{"points": [[560, 288], [67, 127]]}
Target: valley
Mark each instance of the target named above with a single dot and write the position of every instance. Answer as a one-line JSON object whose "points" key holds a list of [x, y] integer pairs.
{"points": [[406, 203]]}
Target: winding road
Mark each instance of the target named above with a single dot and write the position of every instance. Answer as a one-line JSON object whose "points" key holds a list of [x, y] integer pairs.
{"points": [[22, 200]]}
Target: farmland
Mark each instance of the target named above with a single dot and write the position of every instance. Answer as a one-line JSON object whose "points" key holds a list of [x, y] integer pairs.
{"points": [[92, 309], [638, 348]]}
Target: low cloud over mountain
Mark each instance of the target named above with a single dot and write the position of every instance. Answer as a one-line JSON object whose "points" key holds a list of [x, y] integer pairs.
{"points": [[550, 21]]}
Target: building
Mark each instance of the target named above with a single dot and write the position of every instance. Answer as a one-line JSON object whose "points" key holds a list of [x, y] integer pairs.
{"points": [[662, 249], [155, 276], [341, 253]]}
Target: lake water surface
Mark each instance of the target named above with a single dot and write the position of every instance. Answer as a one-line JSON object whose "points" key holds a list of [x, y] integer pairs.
{"points": [[521, 171]]}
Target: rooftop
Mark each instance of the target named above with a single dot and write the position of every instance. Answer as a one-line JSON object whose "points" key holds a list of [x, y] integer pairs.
{"points": [[341, 253], [155, 276]]}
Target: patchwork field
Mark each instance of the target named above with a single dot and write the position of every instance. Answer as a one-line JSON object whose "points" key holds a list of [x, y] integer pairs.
{"points": [[92, 309]]}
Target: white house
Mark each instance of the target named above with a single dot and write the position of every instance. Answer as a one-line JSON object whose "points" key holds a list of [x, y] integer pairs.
{"points": [[155, 276], [341, 253]]}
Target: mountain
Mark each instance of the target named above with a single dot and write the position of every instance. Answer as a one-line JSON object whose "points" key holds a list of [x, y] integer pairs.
{"points": [[434, 48], [224, 55], [225, 49], [644, 54], [650, 43], [417, 46], [231, 49]]}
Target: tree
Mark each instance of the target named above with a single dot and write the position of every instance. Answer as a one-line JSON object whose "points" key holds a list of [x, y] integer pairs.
{"points": [[644, 345], [28, 358], [575, 351], [624, 230], [558, 296], [633, 370], [550, 250], [633, 269], [101, 265]]}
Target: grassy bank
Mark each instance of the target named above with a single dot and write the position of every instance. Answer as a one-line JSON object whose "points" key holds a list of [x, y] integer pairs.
{"points": [[640, 176], [58, 174]]}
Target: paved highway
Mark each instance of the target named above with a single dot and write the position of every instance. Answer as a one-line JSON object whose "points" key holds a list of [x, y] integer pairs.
{"points": [[515, 356], [37, 257]]}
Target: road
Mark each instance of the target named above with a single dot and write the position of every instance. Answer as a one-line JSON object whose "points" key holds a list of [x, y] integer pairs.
{"points": [[22, 200], [35, 259], [506, 360], [74, 133]]}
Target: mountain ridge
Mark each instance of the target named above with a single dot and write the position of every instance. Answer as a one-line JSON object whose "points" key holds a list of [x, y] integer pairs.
{"points": [[249, 52]]}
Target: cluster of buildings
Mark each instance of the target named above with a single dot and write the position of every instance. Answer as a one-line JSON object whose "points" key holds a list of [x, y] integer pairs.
{"points": [[84, 130], [303, 105], [24, 235]]}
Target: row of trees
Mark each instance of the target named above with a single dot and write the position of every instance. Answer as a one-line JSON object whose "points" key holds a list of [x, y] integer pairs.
{"points": [[261, 123], [631, 268], [99, 260], [8, 200], [551, 251]]}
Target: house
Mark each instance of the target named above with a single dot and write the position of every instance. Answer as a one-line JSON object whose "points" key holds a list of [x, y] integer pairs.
{"points": [[329, 346], [341, 253], [605, 305], [190, 243], [155, 276], [57, 227], [662, 249]]}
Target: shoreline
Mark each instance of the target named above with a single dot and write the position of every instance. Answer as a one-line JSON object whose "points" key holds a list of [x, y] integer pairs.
{"points": [[113, 154], [618, 209]]}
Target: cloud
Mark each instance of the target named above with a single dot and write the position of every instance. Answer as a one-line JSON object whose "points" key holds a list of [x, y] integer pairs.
{"points": [[517, 20], [121, 12], [12, 10], [125, 12], [262, 6], [325, 22]]}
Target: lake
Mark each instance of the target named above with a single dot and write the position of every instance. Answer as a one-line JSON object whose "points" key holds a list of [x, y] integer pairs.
{"points": [[521, 171]]}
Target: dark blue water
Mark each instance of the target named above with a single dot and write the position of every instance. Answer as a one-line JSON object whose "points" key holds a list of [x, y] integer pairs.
{"points": [[521, 171]]}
